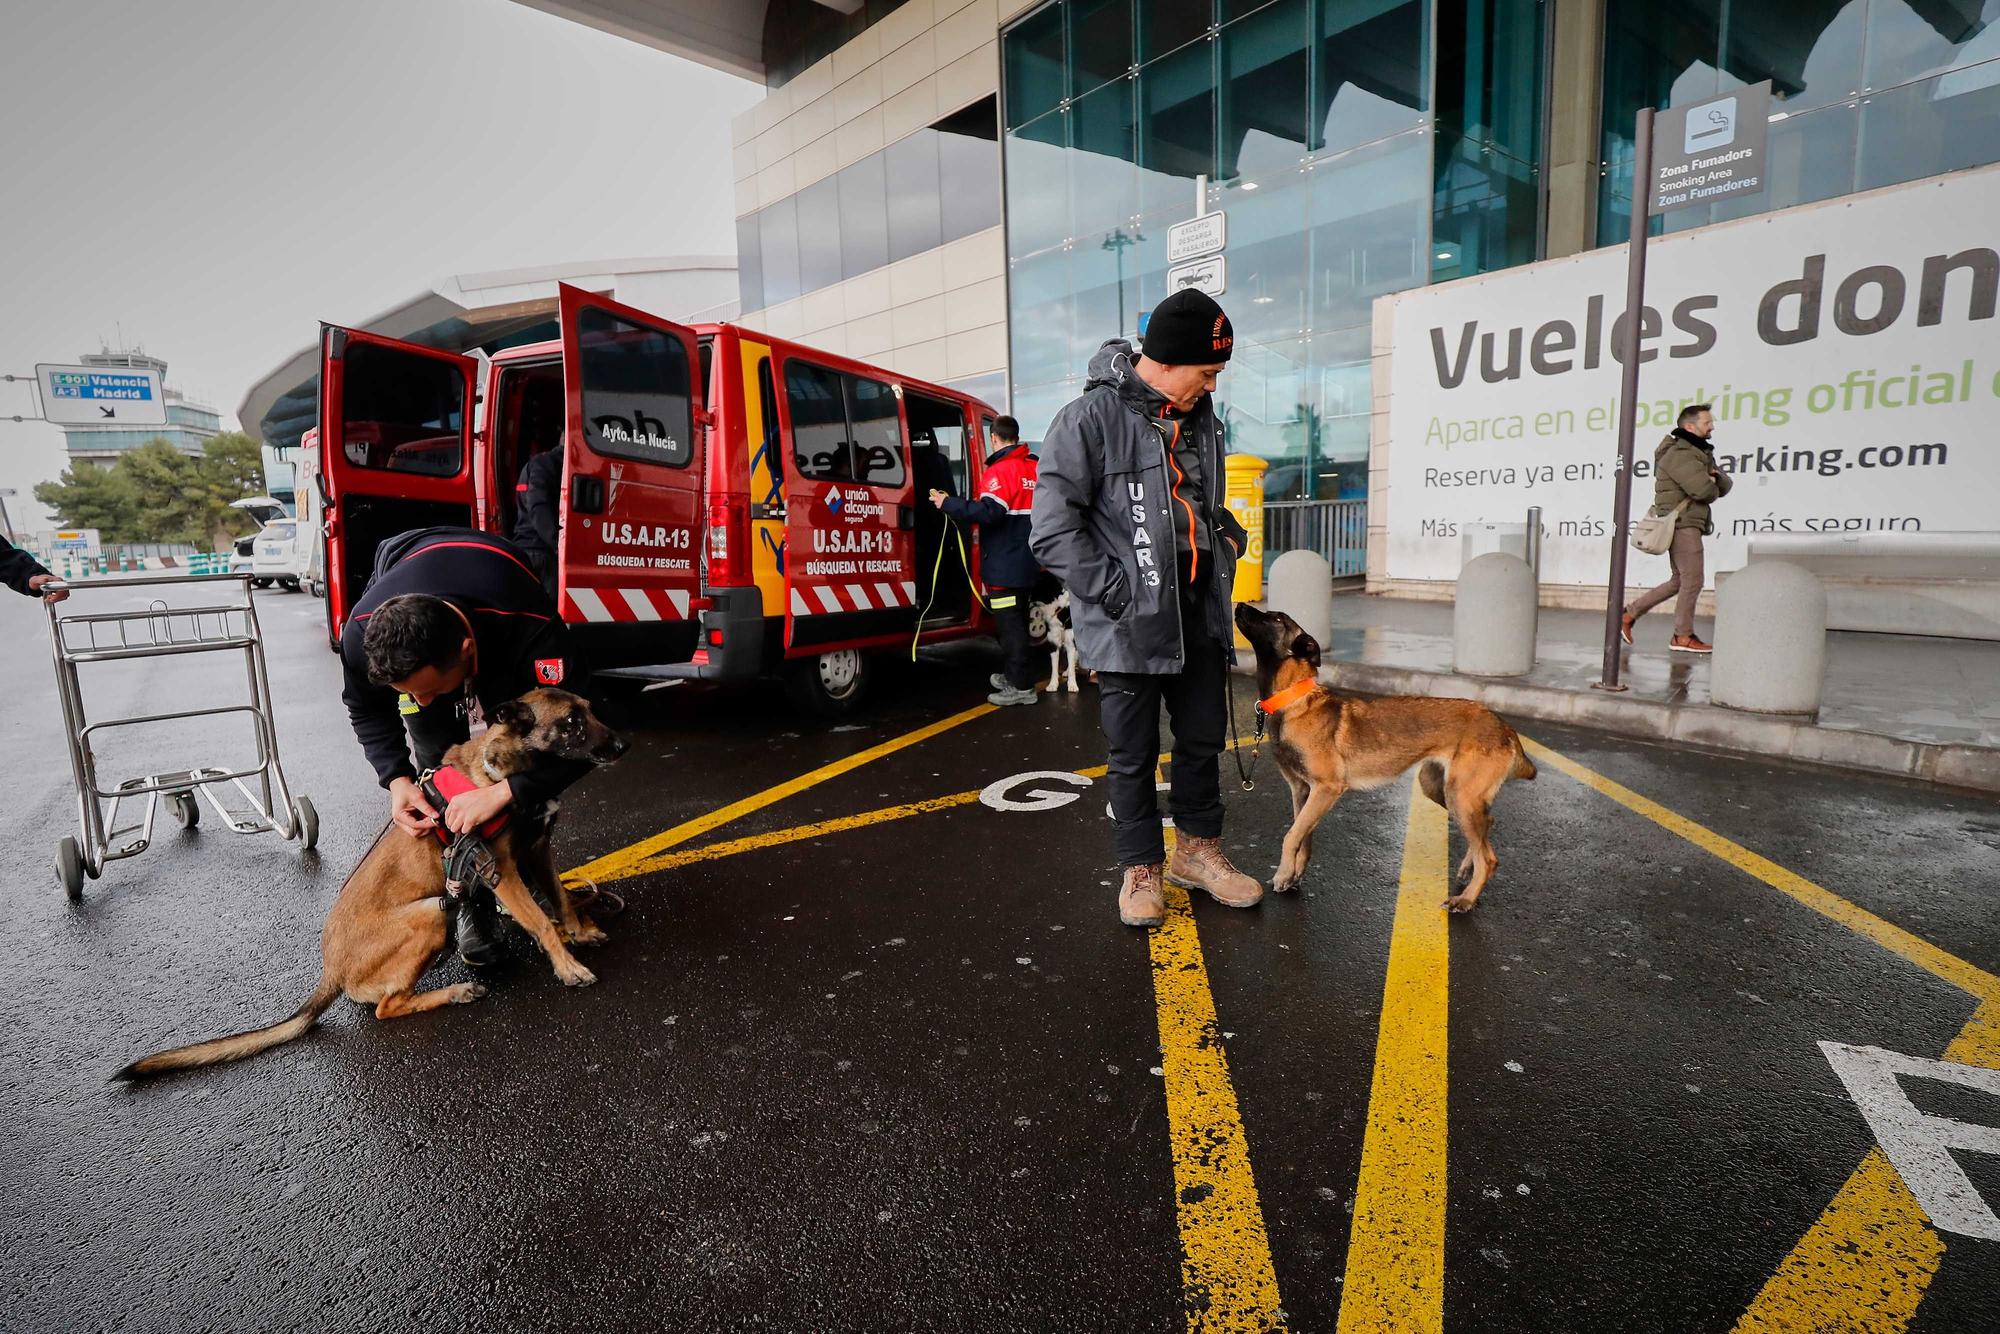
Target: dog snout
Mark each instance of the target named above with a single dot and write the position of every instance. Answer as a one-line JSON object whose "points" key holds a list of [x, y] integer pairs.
{"points": [[612, 747]]}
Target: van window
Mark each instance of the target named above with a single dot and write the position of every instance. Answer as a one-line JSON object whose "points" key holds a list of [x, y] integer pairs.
{"points": [[637, 400], [937, 443], [768, 452], [279, 530], [819, 423], [401, 412], [876, 429]]}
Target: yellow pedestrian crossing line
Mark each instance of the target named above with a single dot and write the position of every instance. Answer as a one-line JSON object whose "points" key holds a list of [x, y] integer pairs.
{"points": [[1868, 1260], [1228, 1281], [1395, 1251]]}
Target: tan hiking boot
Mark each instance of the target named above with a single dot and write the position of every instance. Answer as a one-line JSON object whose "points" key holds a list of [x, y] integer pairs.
{"points": [[1141, 901], [1200, 864]]}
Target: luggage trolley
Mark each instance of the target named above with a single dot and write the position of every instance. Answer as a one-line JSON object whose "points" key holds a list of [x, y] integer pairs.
{"points": [[154, 632]]}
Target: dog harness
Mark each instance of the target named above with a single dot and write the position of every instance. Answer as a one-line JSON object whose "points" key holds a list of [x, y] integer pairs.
{"points": [[469, 864]]}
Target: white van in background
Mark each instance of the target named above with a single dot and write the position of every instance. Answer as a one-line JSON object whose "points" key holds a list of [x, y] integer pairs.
{"points": [[279, 557]]}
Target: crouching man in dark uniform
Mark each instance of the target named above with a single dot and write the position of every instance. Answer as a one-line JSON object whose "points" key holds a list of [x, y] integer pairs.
{"points": [[453, 624]]}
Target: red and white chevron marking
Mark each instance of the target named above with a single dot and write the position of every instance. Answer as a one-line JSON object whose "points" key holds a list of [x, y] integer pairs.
{"points": [[825, 599], [626, 604]]}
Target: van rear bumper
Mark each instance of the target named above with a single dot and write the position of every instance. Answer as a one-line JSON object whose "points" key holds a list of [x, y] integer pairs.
{"points": [[738, 613]]}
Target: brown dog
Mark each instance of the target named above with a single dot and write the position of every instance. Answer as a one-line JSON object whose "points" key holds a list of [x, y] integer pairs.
{"points": [[1326, 745], [388, 924]]}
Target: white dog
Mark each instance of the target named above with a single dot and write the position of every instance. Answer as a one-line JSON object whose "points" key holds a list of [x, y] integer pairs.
{"points": [[1053, 618]]}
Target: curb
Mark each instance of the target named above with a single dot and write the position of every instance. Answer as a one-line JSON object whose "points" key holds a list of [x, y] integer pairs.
{"points": [[1709, 727]]}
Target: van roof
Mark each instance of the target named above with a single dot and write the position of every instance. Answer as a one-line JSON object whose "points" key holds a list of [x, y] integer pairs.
{"points": [[834, 360]]}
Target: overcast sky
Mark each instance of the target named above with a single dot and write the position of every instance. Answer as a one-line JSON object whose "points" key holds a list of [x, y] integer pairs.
{"points": [[211, 178]]}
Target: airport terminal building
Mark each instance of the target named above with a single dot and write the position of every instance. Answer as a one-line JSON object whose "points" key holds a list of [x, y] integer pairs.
{"points": [[980, 191]]}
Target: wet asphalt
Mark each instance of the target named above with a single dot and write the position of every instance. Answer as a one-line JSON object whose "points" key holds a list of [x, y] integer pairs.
{"points": [[900, 1077]]}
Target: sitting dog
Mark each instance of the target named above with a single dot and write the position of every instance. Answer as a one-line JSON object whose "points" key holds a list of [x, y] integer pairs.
{"points": [[1058, 634], [1326, 745], [390, 920]]}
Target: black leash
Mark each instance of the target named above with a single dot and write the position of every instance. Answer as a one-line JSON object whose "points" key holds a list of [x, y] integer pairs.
{"points": [[1236, 742]]}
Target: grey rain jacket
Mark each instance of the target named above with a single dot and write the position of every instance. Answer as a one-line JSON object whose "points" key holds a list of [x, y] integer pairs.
{"points": [[1104, 515]]}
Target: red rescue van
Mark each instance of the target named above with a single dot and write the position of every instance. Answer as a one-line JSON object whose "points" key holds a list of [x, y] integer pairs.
{"points": [[733, 505]]}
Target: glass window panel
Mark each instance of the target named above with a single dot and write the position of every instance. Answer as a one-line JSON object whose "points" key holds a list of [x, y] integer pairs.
{"points": [[778, 229], [969, 170], [1103, 175], [1489, 74], [400, 412], [1903, 45], [1176, 129], [749, 265], [1100, 42], [1811, 54], [1808, 157], [1370, 219], [1042, 321], [1038, 203], [864, 216], [819, 423], [637, 397], [1937, 125], [876, 429], [819, 234], [1371, 81], [1485, 211], [1167, 24], [1036, 404], [1032, 51], [1269, 290], [1265, 78], [915, 212]]}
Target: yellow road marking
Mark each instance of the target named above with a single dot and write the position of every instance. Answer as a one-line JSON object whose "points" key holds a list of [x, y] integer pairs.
{"points": [[1939, 963], [1870, 1258], [1228, 1281], [637, 858], [1395, 1252]]}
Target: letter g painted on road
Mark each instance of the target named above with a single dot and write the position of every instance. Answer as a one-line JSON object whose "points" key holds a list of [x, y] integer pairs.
{"points": [[997, 794]]}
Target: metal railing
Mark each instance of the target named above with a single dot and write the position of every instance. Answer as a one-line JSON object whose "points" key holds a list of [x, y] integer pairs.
{"points": [[1336, 529]]}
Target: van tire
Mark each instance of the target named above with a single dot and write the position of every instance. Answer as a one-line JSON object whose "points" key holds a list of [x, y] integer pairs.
{"points": [[829, 685], [289, 585]]}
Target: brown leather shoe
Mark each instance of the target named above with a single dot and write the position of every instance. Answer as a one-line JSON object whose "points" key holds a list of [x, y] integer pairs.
{"points": [[1691, 644], [1141, 902], [1200, 864], [1625, 627]]}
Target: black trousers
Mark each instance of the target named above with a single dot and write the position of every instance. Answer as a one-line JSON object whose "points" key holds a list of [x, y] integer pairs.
{"points": [[1017, 646], [1129, 708]]}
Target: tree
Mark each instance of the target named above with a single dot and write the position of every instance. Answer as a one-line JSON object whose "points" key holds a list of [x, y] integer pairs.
{"points": [[155, 493]]}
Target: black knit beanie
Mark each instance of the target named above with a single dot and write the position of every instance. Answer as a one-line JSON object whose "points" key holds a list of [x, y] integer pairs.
{"points": [[1188, 329]]}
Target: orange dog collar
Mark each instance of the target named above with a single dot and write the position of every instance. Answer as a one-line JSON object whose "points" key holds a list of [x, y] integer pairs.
{"points": [[1287, 697]]}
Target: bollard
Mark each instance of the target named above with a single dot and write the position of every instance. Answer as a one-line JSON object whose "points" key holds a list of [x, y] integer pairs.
{"points": [[1493, 617], [1302, 588], [1770, 640]]}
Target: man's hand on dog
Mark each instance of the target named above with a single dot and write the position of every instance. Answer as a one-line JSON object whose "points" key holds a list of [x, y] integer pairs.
{"points": [[469, 810], [408, 808]]}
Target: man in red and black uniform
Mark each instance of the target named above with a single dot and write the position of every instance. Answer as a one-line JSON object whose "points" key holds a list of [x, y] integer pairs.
{"points": [[453, 624], [1004, 508]]}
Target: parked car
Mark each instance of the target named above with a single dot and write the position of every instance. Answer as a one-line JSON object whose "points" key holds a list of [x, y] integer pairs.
{"points": [[243, 554], [280, 558]]}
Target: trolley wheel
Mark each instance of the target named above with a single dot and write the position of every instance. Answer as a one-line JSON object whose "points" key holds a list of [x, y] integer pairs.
{"points": [[308, 819], [187, 810], [831, 685], [69, 868]]}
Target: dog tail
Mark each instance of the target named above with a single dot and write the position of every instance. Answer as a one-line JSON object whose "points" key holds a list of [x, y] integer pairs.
{"points": [[1523, 766], [1431, 779], [235, 1047]]}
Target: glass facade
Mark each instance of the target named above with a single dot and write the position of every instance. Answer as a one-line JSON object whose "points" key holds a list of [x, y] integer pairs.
{"points": [[1330, 137], [187, 427], [1864, 93], [933, 186]]}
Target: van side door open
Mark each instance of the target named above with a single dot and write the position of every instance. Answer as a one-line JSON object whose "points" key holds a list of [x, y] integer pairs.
{"points": [[850, 559], [395, 437], [632, 469]]}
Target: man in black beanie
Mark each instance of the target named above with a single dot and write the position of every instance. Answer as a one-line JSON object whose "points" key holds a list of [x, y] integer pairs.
{"points": [[1129, 514]]}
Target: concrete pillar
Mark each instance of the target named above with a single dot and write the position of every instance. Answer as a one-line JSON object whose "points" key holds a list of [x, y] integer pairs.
{"points": [[1493, 617], [1575, 99], [1301, 586], [1770, 640]]}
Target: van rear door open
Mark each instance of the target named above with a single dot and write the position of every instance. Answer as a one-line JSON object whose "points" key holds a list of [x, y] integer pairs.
{"points": [[395, 434], [632, 467]]}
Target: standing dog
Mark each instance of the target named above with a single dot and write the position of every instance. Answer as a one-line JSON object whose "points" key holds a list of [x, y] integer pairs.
{"points": [[1060, 637], [389, 922], [1326, 745]]}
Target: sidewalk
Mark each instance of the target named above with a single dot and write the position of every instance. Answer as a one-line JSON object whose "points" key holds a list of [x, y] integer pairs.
{"points": [[1921, 708]]}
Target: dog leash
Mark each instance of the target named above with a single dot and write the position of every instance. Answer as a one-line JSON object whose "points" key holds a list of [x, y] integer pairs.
{"points": [[937, 567], [1236, 742]]}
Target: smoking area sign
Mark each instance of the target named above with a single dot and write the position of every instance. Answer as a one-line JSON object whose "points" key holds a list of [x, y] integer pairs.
{"points": [[1713, 150], [102, 395]]}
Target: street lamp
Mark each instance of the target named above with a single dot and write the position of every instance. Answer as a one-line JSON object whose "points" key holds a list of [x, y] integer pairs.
{"points": [[1116, 241]]}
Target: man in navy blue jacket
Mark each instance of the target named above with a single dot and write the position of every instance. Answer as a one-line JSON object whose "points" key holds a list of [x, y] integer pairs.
{"points": [[25, 575], [1003, 508]]}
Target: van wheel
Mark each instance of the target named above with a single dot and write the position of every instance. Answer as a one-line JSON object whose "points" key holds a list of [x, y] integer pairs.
{"points": [[289, 585], [831, 685], [260, 583]]}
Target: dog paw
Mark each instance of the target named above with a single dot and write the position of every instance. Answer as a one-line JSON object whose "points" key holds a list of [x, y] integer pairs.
{"points": [[469, 992], [579, 976], [1284, 884], [586, 933], [1461, 903]]}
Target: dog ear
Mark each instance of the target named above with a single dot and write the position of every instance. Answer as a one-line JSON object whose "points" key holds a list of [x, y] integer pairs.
{"points": [[1305, 646], [516, 716]]}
